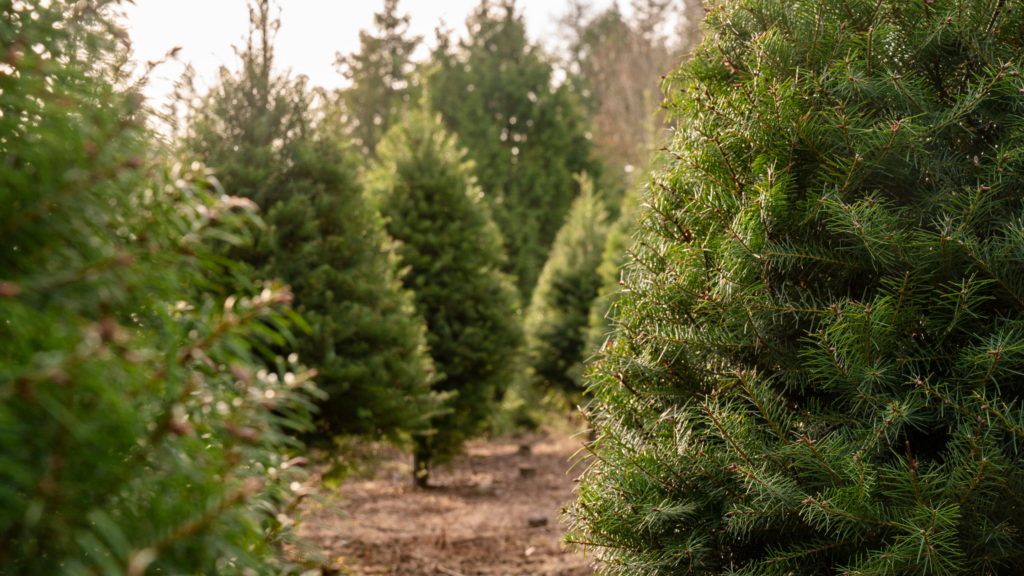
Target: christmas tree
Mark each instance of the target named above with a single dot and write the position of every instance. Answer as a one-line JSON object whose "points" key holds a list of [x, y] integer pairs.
{"points": [[526, 137], [380, 75], [138, 432], [815, 368], [433, 207], [324, 240], [615, 255], [557, 321]]}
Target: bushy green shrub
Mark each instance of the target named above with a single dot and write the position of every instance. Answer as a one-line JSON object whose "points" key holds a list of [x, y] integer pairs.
{"points": [[137, 434], [816, 365], [425, 190], [269, 141]]}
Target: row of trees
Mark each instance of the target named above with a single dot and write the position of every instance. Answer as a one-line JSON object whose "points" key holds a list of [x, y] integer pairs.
{"points": [[161, 298], [413, 261], [398, 269], [533, 145], [814, 363]]}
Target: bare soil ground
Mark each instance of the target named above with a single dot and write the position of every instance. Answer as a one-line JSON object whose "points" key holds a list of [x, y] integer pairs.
{"points": [[480, 517]]}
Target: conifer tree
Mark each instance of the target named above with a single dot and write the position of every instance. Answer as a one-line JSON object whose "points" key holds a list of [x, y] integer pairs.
{"points": [[614, 256], [817, 354], [381, 76], [426, 192], [137, 434], [557, 321], [268, 141], [526, 137]]}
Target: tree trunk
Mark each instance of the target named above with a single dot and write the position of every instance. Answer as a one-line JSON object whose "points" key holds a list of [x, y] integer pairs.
{"points": [[420, 469]]}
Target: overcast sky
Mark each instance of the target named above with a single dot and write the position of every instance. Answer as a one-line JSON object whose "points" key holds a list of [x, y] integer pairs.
{"points": [[312, 31]]}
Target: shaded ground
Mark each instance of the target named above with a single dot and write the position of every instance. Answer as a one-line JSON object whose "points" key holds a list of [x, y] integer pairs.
{"points": [[475, 520]]}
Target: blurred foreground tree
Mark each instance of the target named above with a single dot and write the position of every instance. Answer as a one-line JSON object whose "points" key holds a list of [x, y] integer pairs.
{"points": [[138, 433], [816, 369], [557, 321], [526, 137], [279, 143], [433, 207], [381, 76]]}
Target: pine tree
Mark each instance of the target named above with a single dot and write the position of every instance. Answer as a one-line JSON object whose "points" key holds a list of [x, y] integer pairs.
{"points": [[381, 76], [557, 320], [526, 137], [324, 240], [136, 433], [816, 362], [614, 256], [433, 207]]}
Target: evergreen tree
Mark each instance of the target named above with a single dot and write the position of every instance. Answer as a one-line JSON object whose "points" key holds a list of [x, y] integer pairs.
{"points": [[557, 320], [433, 207], [268, 141], [526, 137], [816, 368], [614, 256], [136, 434], [381, 76]]}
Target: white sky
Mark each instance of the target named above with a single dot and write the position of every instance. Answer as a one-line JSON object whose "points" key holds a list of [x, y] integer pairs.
{"points": [[312, 31]]}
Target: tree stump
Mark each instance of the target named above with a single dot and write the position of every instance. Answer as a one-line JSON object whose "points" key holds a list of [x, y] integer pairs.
{"points": [[536, 521]]}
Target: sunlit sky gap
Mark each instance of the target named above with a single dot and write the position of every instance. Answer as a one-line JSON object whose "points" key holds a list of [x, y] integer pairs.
{"points": [[312, 31]]}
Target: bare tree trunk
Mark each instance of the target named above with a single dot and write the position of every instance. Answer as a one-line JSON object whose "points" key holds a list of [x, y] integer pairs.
{"points": [[420, 469]]}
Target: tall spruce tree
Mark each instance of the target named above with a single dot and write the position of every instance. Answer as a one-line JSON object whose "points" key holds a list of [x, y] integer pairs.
{"points": [[433, 207], [817, 362], [137, 432], [267, 140], [557, 321], [526, 137], [381, 77]]}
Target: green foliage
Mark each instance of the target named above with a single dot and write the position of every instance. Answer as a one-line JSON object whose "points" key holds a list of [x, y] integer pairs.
{"points": [[614, 256], [324, 240], [136, 435], [557, 320], [816, 366], [526, 137], [381, 76], [433, 207]]}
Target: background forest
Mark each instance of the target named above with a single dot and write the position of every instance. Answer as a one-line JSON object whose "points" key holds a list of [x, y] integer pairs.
{"points": [[204, 300]]}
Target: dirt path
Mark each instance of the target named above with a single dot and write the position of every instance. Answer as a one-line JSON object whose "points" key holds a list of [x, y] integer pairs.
{"points": [[481, 517]]}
